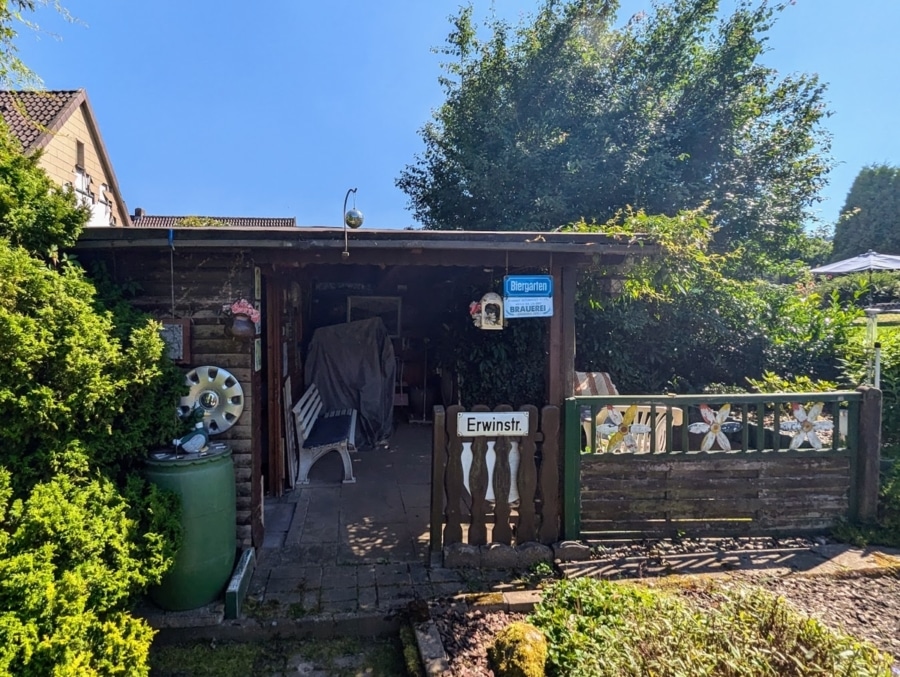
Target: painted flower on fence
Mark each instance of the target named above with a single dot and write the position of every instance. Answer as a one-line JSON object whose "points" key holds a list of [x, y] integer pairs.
{"points": [[621, 429], [806, 425], [712, 425]]}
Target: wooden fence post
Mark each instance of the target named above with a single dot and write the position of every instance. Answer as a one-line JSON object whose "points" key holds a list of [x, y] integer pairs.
{"points": [[453, 478], [868, 454], [438, 467], [528, 479], [572, 471], [550, 461]]}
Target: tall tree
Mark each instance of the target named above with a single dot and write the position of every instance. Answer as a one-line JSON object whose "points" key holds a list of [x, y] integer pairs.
{"points": [[870, 218], [568, 117]]}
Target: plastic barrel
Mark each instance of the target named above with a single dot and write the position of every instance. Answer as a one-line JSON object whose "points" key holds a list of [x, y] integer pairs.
{"points": [[203, 565]]}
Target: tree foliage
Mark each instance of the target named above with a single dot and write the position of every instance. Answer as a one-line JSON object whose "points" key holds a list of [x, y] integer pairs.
{"points": [[681, 322], [35, 214], [567, 118], [870, 218], [14, 73]]}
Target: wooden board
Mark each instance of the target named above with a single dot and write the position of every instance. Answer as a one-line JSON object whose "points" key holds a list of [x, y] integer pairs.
{"points": [[290, 447]]}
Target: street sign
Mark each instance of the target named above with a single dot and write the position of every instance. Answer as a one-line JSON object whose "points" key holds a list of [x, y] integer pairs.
{"points": [[515, 308], [492, 424], [528, 285]]}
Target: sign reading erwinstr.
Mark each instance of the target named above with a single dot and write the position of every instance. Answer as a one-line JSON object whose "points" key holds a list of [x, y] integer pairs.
{"points": [[492, 423]]}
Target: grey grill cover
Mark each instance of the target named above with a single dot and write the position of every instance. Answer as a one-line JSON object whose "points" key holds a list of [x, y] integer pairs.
{"points": [[353, 366]]}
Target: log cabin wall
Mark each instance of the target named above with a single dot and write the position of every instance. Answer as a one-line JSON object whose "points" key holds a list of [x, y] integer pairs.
{"points": [[201, 284]]}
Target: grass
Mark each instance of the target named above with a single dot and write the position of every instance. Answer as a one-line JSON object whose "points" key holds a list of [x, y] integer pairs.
{"points": [[341, 657], [609, 629]]}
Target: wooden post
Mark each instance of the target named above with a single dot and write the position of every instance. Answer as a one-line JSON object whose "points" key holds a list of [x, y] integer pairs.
{"points": [[550, 464], [567, 347], [868, 454], [453, 478], [478, 482], [438, 467], [527, 480], [572, 471], [555, 342], [502, 479]]}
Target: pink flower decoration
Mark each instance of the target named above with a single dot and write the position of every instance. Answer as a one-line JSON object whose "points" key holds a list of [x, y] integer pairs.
{"points": [[244, 307]]}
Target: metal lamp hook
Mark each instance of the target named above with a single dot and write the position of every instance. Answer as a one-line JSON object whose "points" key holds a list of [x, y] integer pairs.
{"points": [[352, 218]]}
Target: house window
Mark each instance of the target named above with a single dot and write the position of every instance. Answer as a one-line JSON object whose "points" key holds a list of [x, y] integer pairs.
{"points": [[83, 187], [79, 154]]}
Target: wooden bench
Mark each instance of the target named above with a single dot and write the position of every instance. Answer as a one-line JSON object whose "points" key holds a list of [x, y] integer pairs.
{"points": [[319, 433]]}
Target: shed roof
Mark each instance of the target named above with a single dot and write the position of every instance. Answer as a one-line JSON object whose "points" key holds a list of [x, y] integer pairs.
{"points": [[300, 239], [326, 246]]}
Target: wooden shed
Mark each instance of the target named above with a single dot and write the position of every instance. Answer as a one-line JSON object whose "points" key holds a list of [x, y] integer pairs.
{"points": [[305, 278]]}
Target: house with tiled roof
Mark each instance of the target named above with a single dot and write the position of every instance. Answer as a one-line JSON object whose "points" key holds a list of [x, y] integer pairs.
{"points": [[61, 125], [143, 220]]}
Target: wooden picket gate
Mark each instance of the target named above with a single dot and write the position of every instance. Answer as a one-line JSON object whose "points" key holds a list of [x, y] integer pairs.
{"points": [[510, 484]]}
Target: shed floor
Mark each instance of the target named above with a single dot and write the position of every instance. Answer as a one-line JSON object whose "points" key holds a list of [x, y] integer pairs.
{"points": [[381, 518]]}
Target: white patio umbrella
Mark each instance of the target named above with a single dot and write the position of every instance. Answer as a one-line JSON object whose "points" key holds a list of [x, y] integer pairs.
{"points": [[869, 261]]}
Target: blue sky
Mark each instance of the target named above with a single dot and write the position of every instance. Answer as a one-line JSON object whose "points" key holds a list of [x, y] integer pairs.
{"points": [[277, 108]]}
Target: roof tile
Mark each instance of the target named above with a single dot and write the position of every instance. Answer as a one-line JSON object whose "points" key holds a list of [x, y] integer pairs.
{"points": [[146, 221], [30, 114]]}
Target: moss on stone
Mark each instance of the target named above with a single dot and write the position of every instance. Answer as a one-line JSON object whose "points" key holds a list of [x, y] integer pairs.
{"points": [[485, 599], [519, 650]]}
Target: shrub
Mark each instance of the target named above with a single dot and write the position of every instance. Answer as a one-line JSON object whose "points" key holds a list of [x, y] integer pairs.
{"points": [[70, 561], [805, 338], [773, 383], [857, 365], [492, 367], [83, 394], [601, 628], [65, 378], [861, 289], [683, 320]]}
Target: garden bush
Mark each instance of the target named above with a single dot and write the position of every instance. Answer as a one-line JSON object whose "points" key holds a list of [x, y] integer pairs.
{"points": [[70, 562], [683, 321], [861, 289], [64, 376], [84, 393], [601, 628], [492, 367], [857, 365]]}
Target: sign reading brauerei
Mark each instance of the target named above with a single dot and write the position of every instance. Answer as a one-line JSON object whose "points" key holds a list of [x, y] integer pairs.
{"points": [[492, 423]]}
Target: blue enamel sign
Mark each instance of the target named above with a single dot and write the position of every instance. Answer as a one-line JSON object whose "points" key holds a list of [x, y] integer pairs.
{"points": [[527, 296], [528, 286]]}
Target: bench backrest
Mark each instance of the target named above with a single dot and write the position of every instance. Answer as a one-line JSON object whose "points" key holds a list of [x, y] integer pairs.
{"points": [[306, 411]]}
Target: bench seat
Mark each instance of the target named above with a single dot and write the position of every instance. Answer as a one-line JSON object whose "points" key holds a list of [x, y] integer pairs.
{"points": [[319, 433]]}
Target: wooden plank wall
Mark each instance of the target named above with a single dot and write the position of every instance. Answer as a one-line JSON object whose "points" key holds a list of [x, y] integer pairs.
{"points": [[702, 495], [458, 515], [202, 284]]}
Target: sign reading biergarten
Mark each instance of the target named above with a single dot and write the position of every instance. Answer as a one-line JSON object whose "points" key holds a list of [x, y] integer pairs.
{"points": [[527, 296], [492, 423]]}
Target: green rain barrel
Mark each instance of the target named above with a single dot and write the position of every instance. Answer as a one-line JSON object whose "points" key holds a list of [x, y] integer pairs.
{"points": [[203, 565]]}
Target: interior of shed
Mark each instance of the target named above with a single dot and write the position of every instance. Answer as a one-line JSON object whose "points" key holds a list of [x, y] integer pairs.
{"points": [[418, 306]]}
